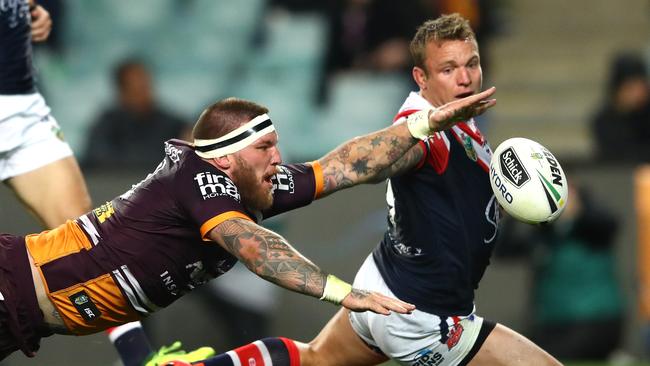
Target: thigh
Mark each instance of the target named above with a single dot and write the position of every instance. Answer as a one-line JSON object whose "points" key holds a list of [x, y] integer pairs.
{"points": [[505, 347], [338, 345], [54, 192]]}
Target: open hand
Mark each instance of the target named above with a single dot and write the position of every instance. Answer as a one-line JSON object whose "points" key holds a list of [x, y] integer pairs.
{"points": [[362, 300], [461, 110]]}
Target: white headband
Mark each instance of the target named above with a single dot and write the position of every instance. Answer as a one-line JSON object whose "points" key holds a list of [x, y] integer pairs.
{"points": [[235, 140]]}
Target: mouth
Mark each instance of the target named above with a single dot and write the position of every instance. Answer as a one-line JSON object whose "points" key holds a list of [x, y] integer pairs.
{"points": [[464, 95], [268, 179]]}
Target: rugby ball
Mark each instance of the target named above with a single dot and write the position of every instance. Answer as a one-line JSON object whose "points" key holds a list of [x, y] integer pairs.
{"points": [[528, 181]]}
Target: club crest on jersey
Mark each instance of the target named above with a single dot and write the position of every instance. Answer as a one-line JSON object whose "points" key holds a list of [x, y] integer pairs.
{"points": [[468, 145], [213, 185]]}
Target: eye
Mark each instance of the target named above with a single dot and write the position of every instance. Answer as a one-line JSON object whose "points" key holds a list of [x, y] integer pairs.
{"points": [[447, 70], [473, 63]]}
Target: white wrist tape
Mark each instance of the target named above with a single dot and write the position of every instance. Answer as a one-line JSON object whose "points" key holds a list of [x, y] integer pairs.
{"points": [[335, 290], [418, 123]]}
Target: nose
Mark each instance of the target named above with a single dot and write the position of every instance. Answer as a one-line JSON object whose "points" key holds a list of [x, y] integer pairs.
{"points": [[464, 78], [276, 158]]}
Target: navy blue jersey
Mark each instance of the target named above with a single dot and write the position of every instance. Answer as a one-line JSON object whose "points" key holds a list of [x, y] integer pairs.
{"points": [[442, 221], [16, 74]]}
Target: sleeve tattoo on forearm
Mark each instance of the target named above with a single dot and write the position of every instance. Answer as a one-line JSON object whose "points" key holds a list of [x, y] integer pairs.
{"points": [[368, 159], [271, 257]]}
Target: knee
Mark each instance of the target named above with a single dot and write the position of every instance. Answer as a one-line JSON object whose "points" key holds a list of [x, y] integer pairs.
{"points": [[308, 354], [311, 354]]}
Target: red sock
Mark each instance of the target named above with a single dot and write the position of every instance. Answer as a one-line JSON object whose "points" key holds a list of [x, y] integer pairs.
{"points": [[265, 352]]}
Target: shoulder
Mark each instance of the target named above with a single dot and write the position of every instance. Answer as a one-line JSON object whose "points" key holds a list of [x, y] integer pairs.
{"points": [[182, 155], [184, 160]]}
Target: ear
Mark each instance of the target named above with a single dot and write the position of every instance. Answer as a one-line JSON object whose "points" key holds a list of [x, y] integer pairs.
{"points": [[420, 77], [222, 162]]}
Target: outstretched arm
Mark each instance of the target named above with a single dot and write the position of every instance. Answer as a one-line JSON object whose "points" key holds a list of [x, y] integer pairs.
{"points": [[370, 158], [271, 257], [402, 165]]}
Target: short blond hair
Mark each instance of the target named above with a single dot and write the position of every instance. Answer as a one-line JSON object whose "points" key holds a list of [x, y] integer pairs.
{"points": [[444, 28]]}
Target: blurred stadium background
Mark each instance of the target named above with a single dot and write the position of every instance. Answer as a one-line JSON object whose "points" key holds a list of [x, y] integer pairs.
{"points": [[549, 61]]}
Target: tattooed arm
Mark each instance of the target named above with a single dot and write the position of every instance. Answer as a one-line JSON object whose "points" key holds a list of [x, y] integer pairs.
{"points": [[271, 257], [361, 159], [401, 166], [376, 156]]}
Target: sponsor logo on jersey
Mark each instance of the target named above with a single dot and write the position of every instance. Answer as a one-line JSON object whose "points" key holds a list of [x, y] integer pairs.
{"points": [[169, 283], [85, 306], [512, 168], [104, 211], [213, 185], [454, 335], [427, 357], [17, 11], [407, 251], [173, 152], [283, 181]]}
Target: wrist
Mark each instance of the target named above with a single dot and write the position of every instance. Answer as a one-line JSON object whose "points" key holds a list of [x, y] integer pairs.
{"points": [[418, 124], [335, 290]]}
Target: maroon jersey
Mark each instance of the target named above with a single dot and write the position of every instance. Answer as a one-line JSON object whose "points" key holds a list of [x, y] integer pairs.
{"points": [[146, 248]]}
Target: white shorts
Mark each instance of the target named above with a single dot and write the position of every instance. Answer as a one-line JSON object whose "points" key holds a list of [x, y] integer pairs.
{"points": [[29, 136], [415, 339]]}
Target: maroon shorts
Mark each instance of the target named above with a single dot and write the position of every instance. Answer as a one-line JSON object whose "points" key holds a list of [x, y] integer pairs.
{"points": [[21, 320]]}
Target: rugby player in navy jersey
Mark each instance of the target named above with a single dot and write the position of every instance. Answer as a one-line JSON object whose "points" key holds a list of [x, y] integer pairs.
{"points": [[442, 224], [35, 161], [190, 220]]}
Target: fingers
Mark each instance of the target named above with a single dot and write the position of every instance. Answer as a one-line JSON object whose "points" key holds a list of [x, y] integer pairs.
{"points": [[462, 109], [360, 300], [484, 105], [475, 103], [393, 304], [482, 95], [41, 24]]}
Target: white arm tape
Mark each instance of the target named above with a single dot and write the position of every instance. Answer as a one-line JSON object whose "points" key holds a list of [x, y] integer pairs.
{"points": [[418, 123], [335, 290]]}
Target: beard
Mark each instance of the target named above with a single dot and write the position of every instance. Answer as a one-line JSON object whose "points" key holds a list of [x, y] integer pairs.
{"points": [[253, 196]]}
